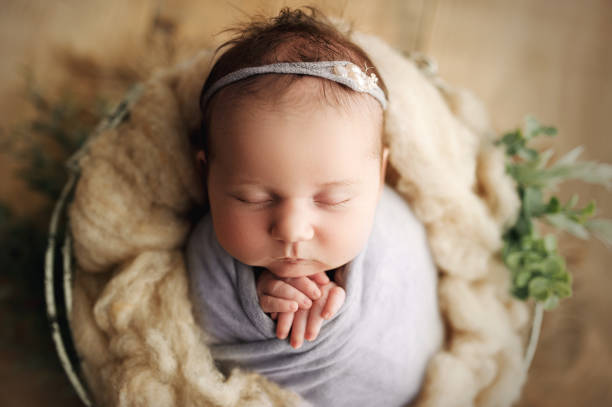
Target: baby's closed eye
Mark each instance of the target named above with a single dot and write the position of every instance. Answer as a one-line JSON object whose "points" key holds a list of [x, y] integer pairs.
{"points": [[332, 200], [254, 198]]}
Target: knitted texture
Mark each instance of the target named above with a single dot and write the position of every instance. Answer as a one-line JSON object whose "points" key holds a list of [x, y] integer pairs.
{"points": [[132, 320]]}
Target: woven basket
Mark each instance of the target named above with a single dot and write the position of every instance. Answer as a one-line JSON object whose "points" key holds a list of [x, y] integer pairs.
{"points": [[59, 259]]}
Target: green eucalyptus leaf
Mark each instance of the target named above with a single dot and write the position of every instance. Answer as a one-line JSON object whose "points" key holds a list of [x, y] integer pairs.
{"points": [[586, 212], [545, 157], [553, 205], [522, 293], [587, 171], [513, 142], [572, 202], [538, 288], [551, 302], [513, 260], [601, 228], [549, 131], [532, 202], [529, 155], [538, 270], [533, 128], [561, 221], [550, 243], [523, 225], [563, 288], [522, 278], [555, 267], [570, 157]]}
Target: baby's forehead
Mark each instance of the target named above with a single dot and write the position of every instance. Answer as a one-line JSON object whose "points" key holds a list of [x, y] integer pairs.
{"points": [[307, 100], [295, 92]]}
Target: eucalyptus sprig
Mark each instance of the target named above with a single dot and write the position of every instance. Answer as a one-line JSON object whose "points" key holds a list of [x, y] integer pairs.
{"points": [[538, 269]]}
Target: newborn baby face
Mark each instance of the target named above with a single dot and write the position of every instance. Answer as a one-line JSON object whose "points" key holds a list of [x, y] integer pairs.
{"points": [[294, 188]]}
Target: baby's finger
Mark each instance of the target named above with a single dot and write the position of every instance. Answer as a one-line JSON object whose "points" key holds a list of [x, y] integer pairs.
{"points": [[283, 325], [319, 278], [274, 315], [285, 290], [307, 287], [299, 326], [335, 299], [273, 304], [315, 320]]}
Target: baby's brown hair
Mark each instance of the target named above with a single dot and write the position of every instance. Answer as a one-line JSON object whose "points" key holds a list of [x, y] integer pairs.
{"points": [[292, 36]]}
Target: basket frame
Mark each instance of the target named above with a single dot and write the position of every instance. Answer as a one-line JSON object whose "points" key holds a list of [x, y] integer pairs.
{"points": [[59, 283]]}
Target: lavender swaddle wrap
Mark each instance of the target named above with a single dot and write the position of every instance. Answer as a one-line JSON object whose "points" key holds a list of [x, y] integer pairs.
{"points": [[374, 351]]}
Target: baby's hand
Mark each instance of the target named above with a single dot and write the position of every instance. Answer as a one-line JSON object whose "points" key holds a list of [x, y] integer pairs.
{"points": [[286, 295], [282, 297], [306, 323]]}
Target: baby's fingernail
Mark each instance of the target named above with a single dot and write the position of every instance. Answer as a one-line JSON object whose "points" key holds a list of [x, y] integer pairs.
{"points": [[307, 303], [294, 306], [310, 336], [327, 315], [316, 294], [296, 344]]}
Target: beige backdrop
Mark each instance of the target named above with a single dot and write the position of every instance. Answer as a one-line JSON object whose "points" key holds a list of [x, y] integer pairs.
{"points": [[550, 58]]}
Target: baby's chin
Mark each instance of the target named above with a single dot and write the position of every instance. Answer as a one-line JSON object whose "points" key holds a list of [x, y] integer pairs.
{"points": [[292, 269]]}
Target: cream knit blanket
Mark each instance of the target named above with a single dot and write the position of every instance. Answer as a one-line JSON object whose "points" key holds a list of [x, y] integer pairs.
{"points": [[132, 320]]}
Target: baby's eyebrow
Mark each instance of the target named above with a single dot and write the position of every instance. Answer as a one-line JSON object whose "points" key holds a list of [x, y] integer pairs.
{"points": [[245, 182], [341, 183], [240, 180], [324, 185]]}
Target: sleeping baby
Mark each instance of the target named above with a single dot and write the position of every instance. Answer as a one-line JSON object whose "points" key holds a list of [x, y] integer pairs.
{"points": [[307, 268]]}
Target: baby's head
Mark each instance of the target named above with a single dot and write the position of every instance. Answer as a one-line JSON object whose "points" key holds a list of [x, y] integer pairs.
{"points": [[293, 164]]}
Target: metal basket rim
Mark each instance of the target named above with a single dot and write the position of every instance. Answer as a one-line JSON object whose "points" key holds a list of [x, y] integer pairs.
{"points": [[72, 164]]}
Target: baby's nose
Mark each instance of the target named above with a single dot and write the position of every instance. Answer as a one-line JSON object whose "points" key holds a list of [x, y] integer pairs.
{"points": [[292, 224]]}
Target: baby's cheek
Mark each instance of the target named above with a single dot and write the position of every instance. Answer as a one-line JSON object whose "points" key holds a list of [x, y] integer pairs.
{"points": [[346, 237], [241, 236]]}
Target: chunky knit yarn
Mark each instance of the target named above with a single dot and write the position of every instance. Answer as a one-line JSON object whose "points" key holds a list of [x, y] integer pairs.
{"points": [[132, 320]]}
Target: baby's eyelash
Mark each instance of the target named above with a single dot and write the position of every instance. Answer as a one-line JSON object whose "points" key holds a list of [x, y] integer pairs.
{"points": [[245, 201], [270, 201], [333, 204]]}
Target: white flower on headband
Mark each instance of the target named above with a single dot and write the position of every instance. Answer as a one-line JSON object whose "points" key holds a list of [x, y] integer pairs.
{"points": [[352, 71]]}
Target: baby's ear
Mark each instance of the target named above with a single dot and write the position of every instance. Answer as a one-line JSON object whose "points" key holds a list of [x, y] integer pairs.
{"points": [[201, 162], [383, 170], [383, 165], [202, 166], [202, 169]]}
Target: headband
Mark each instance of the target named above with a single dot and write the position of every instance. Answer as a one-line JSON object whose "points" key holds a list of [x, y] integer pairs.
{"points": [[344, 72]]}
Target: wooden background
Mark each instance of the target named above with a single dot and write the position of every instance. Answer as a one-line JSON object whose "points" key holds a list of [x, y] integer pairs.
{"points": [[550, 58]]}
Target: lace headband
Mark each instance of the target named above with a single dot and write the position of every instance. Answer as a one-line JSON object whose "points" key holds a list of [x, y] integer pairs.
{"points": [[344, 72]]}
